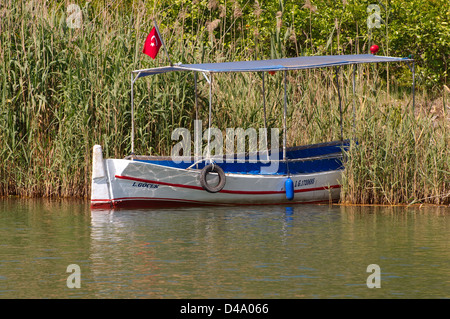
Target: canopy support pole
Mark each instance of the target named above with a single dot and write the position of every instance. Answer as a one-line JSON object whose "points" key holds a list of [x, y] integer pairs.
{"points": [[413, 87], [132, 115], [210, 79], [412, 68], [195, 93], [196, 119], [284, 123], [264, 101], [339, 97], [354, 100], [265, 117]]}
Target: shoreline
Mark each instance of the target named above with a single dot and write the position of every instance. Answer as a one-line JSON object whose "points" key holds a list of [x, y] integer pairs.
{"points": [[87, 201]]}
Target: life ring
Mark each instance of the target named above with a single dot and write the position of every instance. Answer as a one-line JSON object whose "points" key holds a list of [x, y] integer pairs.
{"points": [[212, 168]]}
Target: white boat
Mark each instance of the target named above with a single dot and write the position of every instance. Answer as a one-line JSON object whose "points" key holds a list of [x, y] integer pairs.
{"points": [[305, 174]]}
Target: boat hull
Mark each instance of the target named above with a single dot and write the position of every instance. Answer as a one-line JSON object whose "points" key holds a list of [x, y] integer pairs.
{"points": [[122, 183]]}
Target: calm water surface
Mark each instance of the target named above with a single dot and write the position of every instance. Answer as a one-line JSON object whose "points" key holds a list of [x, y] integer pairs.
{"points": [[247, 252]]}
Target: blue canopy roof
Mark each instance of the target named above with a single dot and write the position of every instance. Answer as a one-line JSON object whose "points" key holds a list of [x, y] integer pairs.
{"points": [[298, 63]]}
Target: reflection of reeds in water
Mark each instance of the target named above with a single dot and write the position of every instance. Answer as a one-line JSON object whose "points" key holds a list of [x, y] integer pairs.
{"points": [[64, 90]]}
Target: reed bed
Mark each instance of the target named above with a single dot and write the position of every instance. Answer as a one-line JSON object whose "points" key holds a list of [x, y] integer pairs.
{"points": [[64, 90]]}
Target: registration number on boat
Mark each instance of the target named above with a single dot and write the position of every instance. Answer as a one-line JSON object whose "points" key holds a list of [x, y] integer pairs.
{"points": [[145, 185], [304, 182]]}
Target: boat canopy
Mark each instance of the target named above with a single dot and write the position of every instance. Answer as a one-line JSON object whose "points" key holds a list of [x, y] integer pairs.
{"points": [[286, 64]]}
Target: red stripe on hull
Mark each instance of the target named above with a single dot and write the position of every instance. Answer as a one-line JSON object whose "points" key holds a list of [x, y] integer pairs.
{"points": [[101, 204], [168, 203]]}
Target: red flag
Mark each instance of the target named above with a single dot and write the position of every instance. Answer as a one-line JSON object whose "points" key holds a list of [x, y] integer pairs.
{"points": [[152, 44]]}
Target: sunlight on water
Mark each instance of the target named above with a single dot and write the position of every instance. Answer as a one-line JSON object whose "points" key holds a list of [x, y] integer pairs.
{"points": [[251, 252]]}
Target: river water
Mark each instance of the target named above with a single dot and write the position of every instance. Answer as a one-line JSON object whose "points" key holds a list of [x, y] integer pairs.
{"points": [[262, 252]]}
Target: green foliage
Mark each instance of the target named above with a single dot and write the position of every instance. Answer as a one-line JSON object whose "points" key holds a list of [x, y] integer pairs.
{"points": [[244, 29]]}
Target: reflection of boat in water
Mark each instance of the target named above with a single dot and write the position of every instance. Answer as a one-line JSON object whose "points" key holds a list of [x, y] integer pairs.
{"points": [[303, 174], [179, 253]]}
